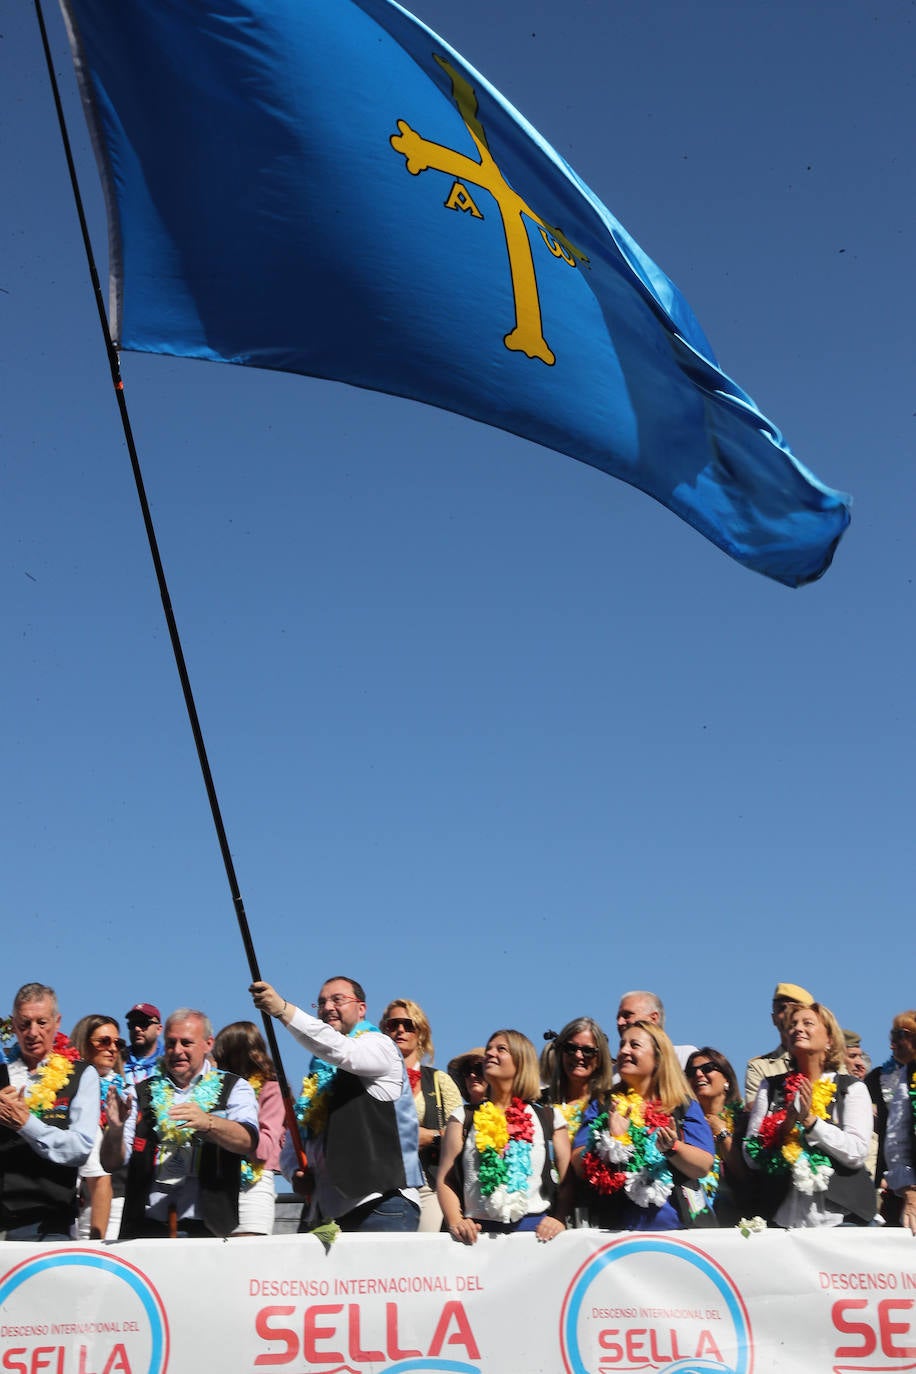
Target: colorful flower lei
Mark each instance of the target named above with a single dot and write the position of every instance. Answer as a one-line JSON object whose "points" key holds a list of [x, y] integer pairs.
{"points": [[54, 1072], [572, 1114], [710, 1182], [631, 1161], [253, 1169], [728, 1114], [174, 1134], [111, 1080], [311, 1106], [811, 1170], [503, 1140]]}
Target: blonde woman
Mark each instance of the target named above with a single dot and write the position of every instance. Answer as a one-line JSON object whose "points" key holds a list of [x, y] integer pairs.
{"points": [[643, 1149], [435, 1096], [502, 1160], [810, 1129]]}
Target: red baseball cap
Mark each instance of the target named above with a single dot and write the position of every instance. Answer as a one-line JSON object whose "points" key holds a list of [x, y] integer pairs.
{"points": [[143, 1009]]}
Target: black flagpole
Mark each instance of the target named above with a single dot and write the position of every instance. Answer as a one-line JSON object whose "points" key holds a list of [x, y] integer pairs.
{"points": [[115, 369]]}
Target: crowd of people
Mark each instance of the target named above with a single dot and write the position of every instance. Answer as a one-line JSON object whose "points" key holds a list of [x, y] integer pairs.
{"points": [[176, 1131]]}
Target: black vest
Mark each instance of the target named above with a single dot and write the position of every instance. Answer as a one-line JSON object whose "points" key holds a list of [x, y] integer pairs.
{"points": [[218, 1175], [31, 1188], [852, 1190], [362, 1144], [872, 1081], [433, 1119]]}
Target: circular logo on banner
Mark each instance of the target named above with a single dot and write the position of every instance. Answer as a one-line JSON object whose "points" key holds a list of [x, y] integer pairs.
{"points": [[646, 1303], [83, 1310]]}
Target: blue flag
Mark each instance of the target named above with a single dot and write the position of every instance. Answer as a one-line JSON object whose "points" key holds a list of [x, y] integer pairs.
{"points": [[326, 187]]}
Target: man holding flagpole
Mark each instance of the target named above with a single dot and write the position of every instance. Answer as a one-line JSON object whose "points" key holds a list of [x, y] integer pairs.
{"points": [[356, 1110]]}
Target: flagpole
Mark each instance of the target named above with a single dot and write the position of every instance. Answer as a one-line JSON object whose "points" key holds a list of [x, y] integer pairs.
{"points": [[114, 365]]}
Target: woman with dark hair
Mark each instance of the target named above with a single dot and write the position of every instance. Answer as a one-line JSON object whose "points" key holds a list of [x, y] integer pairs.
{"points": [[502, 1160], [435, 1096], [576, 1066], [467, 1071], [715, 1084], [97, 1039], [644, 1149], [810, 1129], [239, 1048]]}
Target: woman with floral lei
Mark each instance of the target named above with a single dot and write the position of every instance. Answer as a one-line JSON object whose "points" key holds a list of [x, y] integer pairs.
{"points": [[643, 1149], [576, 1066], [496, 1171], [716, 1086], [97, 1039], [810, 1129], [239, 1048]]}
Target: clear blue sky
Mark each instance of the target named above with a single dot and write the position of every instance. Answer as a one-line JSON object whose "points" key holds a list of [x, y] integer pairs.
{"points": [[489, 729]]}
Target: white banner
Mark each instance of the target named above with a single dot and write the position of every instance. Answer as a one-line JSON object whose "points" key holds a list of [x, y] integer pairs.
{"points": [[588, 1302]]}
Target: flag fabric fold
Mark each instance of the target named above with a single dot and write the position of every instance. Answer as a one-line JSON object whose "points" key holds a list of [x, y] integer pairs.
{"points": [[330, 189]]}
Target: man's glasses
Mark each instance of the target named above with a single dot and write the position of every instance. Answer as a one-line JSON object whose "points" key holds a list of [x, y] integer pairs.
{"points": [[474, 1070], [107, 1042], [586, 1052], [339, 999], [707, 1068], [144, 1022], [399, 1023]]}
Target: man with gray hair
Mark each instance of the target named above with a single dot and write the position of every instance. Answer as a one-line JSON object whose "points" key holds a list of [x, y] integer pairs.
{"points": [[182, 1136], [647, 1006], [49, 1116]]}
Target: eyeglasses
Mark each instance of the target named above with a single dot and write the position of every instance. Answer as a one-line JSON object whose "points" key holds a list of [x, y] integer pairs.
{"points": [[144, 1022], [900, 1033], [399, 1022], [707, 1068], [339, 999], [587, 1052], [107, 1042], [474, 1070]]}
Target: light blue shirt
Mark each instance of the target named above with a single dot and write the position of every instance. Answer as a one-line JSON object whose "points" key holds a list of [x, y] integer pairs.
{"points": [[70, 1144]]}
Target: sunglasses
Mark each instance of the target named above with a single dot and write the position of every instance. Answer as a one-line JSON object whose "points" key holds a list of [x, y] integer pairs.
{"points": [[900, 1034], [474, 1070], [107, 1042], [399, 1022], [586, 1052], [707, 1068], [144, 1022]]}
